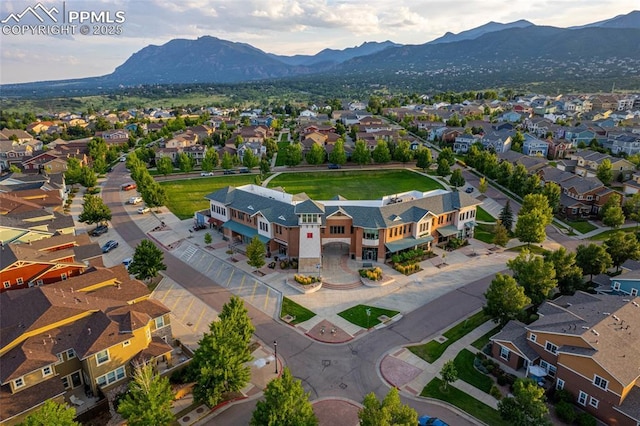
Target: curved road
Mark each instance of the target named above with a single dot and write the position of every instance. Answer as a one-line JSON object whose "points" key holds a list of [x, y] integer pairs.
{"points": [[349, 370]]}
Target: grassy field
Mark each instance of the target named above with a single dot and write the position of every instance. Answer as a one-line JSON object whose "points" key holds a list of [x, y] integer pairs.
{"points": [[282, 145], [483, 340], [582, 226], [187, 196], [468, 373], [484, 216], [535, 249], [484, 233], [467, 403], [300, 313], [604, 235], [432, 350], [358, 315], [353, 185]]}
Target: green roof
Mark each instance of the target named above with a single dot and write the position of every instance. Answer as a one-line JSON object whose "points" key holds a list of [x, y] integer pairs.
{"points": [[447, 231], [406, 243], [245, 230]]}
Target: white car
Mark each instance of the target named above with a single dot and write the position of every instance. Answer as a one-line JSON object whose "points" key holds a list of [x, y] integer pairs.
{"points": [[135, 200], [207, 174], [143, 210]]}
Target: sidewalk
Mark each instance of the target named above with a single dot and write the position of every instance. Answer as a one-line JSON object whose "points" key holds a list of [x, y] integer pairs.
{"points": [[406, 371]]}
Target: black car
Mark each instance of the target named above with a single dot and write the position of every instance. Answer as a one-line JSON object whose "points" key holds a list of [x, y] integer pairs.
{"points": [[469, 190], [334, 166], [109, 245], [99, 230]]}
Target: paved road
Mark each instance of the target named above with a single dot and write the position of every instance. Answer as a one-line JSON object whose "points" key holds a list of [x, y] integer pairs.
{"points": [[349, 370]]}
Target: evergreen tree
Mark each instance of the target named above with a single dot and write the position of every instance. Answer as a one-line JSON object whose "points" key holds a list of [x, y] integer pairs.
{"points": [[285, 404], [149, 399], [506, 216]]}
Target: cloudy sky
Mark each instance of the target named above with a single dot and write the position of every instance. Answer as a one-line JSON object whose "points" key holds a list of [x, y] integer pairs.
{"points": [[284, 27]]}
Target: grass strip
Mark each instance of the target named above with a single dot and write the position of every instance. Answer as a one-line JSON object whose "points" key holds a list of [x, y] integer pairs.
{"points": [[298, 312], [358, 315]]}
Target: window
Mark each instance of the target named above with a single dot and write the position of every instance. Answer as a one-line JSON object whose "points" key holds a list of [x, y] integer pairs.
{"points": [[593, 402], [616, 285], [126, 343], [6, 284], [552, 370], [111, 377], [159, 322], [336, 229], [71, 354], [19, 281], [63, 276], [600, 382], [370, 234], [60, 358], [532, 337], [65, 382], [102, 357], [47, 371], [264, 226], [560, 384], [634, 291], [550, 347], [504, 353], [18, 383], [240, 215], [582, 398]]}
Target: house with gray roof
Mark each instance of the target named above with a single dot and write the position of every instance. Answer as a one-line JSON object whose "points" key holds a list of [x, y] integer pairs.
{"points": [[587, 344], [296, 226]]}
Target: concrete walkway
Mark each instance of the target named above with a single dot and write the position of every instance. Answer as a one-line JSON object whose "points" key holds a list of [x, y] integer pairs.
{"points": [[406, 371]]}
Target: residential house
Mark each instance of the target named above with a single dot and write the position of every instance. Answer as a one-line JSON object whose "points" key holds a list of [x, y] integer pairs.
{"points": [[624, 284], [77, 340], [196, 153], [114, 137], [463, 142], [498, 141], [588, 162], [534, 147], [560, 148], [510, 117], [587, 344], [294, 225], [626, 142]]}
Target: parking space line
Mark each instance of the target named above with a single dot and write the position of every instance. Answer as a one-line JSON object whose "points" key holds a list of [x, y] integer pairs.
{"points": [[173, 308], [230, 276], [210, 263], [242, 282], [167, 292], [253, 293], [204, 309], [266, 299], [186, 312]]}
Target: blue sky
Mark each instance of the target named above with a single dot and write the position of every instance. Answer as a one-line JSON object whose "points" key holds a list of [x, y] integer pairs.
{"points": [[277, 26]]}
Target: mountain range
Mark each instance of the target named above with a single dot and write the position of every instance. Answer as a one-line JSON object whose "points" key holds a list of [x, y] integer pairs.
{"points": [[486, 56]]}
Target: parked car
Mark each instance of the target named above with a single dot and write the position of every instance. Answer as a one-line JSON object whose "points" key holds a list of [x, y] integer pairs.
{"points": [[135, 200], [430, 421], [334, 166], [244, 170], [128, 186], [127, 261], [469, 190], [109, 245], [99, 230], [143, 210], [123, 159], [207, 174], [229, 172]]}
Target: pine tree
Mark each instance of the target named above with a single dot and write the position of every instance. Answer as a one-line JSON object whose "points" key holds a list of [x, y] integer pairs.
{"points": [[506, 216]]}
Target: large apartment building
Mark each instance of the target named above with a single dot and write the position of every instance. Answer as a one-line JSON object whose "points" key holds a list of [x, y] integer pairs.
{"points": [[296, 226], [79, 336], [587, 344]]}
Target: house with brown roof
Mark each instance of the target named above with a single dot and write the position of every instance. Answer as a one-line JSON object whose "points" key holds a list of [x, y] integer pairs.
{"points": [[82, 336], [587, 344]]}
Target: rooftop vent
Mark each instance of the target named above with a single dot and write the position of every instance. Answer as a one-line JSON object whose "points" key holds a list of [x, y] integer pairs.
{"points": [[615, 317], [595, 332], [585, 327]]}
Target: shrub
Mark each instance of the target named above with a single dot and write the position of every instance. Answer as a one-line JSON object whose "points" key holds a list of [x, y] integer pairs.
{"points": [[306, 279], [373, 274], [562, 395], [502, 380], [565, 412], [585, 419], [481, 355], [495, 392]]}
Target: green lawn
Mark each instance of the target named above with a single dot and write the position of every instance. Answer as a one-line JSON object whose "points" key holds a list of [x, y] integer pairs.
{"points": [[483, 233], [358, 315], [185, 197], [533, 248], [468, 373], [432, 350], [604, 235], [300, 313], [483, 215], [582, 226], [353, 185], [464, 402], [282, 145], [483, 340]]}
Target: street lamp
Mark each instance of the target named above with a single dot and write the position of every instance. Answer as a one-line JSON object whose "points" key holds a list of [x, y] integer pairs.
{"points": [[275, 348]]}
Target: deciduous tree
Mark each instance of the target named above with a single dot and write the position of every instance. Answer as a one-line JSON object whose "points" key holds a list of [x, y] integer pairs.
{"points": [[338, 155], [534, 274], [604, 172], [500, 235], [612, 214], [403, 152], [210, 160], [447, 154], [390, 412], [592, 259], [147, 261], [316, 155], [423, 158], [622, 246], [456, 180], [148, 400], [88, 177], [94, 210], [285, 403], [293, 154], [552, 192], [505, 299], [449, 373], [527, 406], [164, 165], [482, 186], [250, 160], [52, 413], [153, 195], [256, 252], [443, 167], [568, 274], [227, 161], [185, 163], [381, 153]]}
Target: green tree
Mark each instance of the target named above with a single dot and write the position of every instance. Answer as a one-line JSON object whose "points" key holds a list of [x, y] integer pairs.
{"points": [[443, 168], [265, 167], [256, 252], [537, 202], [94, 210], [506, 216], [527, 406], [482, 186], [532, 184], [449, 373], [593, 259], [185, 163], [537, 277], [516, 142], [390, 412], [500, 235], [604, 172], [250, 160], [505, 299], [622, 246], [457, 180], [361, 155], [518, 179], [316, 155], [88, 177], [403, 152], [227, 161], [153, 195], [338, 155], [220, 362], [52, 413], [148, 400], [612, 214], [210, 160], [568, 274], [147, 261], [72, 175], [285, 403], [381, 153], [208, 238], [447, 154], [505, 170], [164, 165], [530, 227], [423, 158], [552, 192], [631, 208], [293, 154]]}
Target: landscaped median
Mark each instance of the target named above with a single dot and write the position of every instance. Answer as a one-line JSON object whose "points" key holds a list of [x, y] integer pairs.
{"points": [[293, 314], [433, 349], [367, 316]]}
